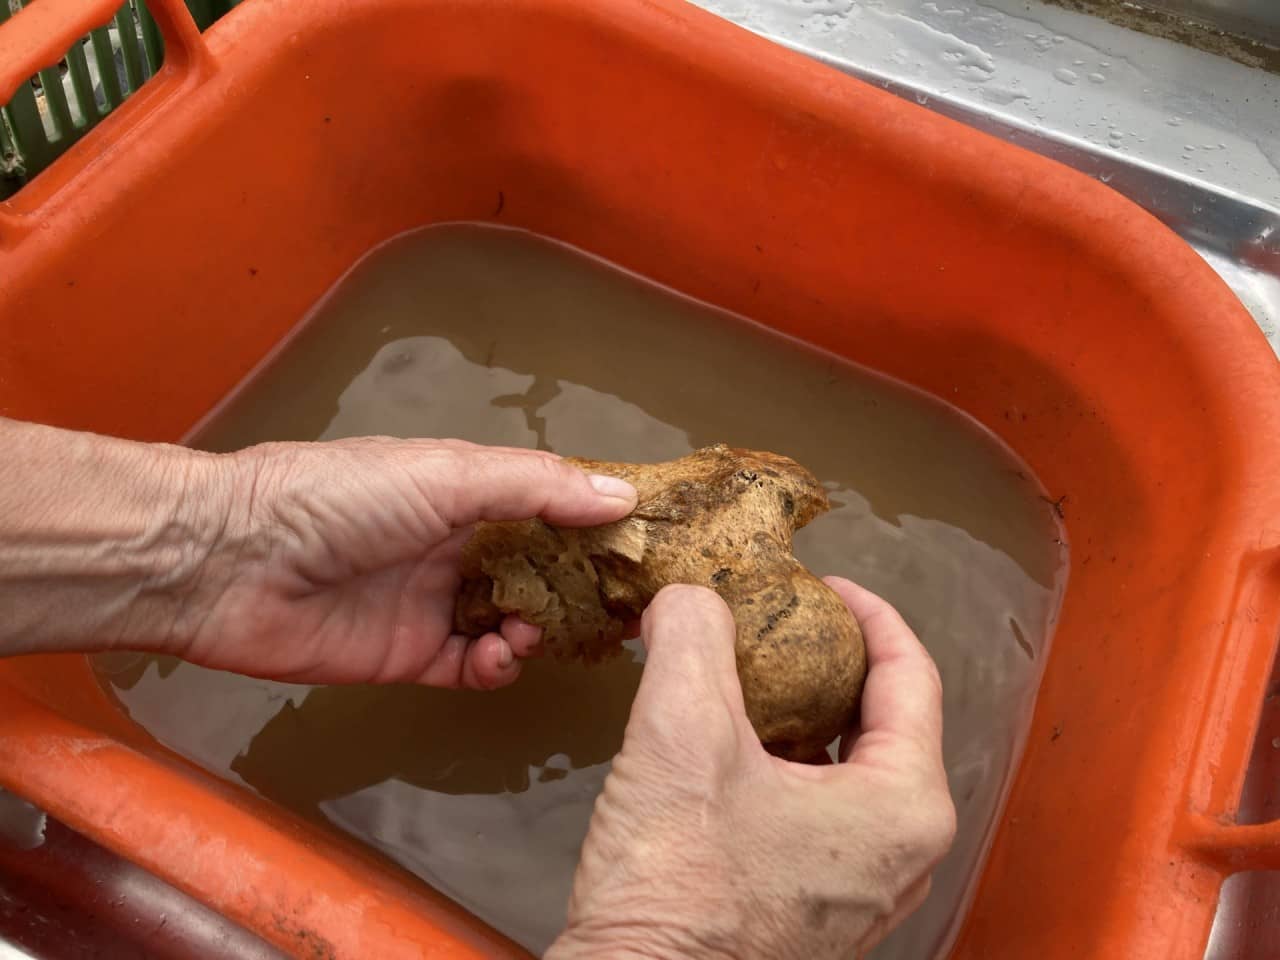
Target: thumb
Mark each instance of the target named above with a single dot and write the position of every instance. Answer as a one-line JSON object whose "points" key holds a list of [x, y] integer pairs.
{"points": [[494, 483], [689, 704]]}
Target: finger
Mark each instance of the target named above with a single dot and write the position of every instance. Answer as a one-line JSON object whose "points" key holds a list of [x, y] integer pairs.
{"points": [[524, 639], [902, 699], [489, 663], [485, 483], [483, 664], [447, 553], [689, 698], [445, 669]]}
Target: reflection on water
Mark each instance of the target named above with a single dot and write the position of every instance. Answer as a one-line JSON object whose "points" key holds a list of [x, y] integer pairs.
{"points": [[498, 337]]}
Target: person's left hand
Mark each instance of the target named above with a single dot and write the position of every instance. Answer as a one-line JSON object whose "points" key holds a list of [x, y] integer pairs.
{"points": [[338, 562]]}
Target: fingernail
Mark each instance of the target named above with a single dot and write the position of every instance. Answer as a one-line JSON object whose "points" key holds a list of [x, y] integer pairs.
{"points": [[505, 656], [614, 487]]}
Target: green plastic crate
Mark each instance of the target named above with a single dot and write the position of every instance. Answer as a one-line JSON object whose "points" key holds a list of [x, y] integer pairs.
{"points": [[61, 104]]}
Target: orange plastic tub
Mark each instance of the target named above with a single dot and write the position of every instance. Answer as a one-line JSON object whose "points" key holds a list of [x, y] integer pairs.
{"points": [[149, 269]]}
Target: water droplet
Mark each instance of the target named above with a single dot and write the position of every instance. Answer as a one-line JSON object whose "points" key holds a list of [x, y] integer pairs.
{"points": [[1063, 75], [922, 98], [1105, 177], [1097, 78], [1174, 121]]}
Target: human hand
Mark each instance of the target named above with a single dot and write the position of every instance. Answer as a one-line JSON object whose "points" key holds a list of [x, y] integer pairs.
{"points": [[704, 845], [338, 562]]}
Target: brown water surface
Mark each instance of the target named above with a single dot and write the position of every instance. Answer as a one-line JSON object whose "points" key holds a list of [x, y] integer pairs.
{"points": [[499, 337]]}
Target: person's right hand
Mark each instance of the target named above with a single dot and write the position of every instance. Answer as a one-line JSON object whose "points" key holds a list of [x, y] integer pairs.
{"points": [[704, 845]]}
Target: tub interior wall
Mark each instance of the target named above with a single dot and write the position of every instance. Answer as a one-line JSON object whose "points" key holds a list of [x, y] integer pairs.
{"points": [[223, 214]]}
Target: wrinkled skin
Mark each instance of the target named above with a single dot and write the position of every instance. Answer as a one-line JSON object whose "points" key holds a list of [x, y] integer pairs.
{"points": [[719, 518], [704, 847]]}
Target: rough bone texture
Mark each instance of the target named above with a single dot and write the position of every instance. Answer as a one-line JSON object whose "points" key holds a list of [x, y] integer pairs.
{"points": [[719, 517]]}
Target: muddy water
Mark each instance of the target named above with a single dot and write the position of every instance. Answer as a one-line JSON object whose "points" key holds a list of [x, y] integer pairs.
{"points": [[498, 337]]}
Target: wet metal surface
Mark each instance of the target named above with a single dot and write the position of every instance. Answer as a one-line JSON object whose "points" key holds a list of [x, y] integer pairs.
{"points": [[1192, 137]]}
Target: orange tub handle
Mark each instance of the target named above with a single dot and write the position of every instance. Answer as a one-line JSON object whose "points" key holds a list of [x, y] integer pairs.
{"points": [[40, 34], [1233, 847], [1231, 725]]}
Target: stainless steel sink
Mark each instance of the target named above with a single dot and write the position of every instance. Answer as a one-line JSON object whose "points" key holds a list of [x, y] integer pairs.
{"points": [[1191, 135]]}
